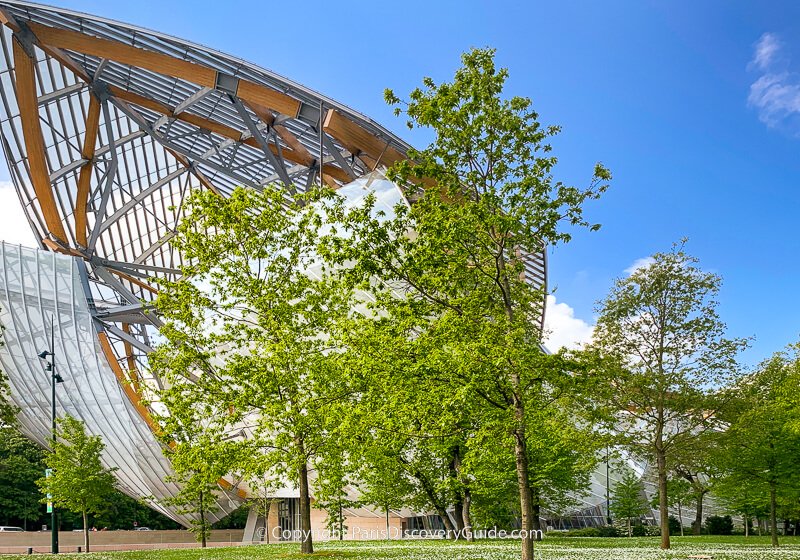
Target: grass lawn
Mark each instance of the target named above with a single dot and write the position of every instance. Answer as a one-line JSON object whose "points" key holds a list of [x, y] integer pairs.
{"points": [[554, 548]]}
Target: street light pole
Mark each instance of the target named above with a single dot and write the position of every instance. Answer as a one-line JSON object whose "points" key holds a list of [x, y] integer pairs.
{"points": [[54, 378], [608, 493], [53, 515]]}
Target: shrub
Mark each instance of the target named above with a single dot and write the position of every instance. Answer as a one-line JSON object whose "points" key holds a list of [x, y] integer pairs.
{"points": [[674, 525], [639, 531], [718, 525], [586, 532], [608, 531]]}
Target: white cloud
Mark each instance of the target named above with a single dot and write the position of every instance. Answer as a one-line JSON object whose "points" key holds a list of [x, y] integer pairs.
{"points": [[775, 94], [644, 262], [14, 227], [766, 50], [776, 97], [562, 328]]}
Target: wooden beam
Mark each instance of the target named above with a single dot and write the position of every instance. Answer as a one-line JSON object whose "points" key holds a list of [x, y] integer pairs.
{"points": [[187, 117], [328, 180], [58, 248], [126, 54], [372, 151], [300, 151], [133, 280], [226, 485], [28, 104], [219, 128], [359, 140], [161, 63], [9, 21], [136, 400], [280, 102], [85, 177], [133, 372], [125, 384]]}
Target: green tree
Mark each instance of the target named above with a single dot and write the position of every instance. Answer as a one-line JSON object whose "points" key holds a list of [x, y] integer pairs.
{"points": [[79, 482], [332, 489], [627, 498], [679, 492], [748, 501], [663, 348], [196, 498], [248, 331], [21, 464], [409, 434], [466, 295], [692, 461], [562, 454], [264, 489], [760, 449]]}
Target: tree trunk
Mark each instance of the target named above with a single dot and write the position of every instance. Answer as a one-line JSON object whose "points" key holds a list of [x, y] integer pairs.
{"points": [[427, 487], [267, 508], [537, 513], [202, 521], [773, 518], [448, 523], [523, 484], [630, 533], [520, 437], [663, 504], [85, 531], [467, 516], [680, 516], [697, 528], [388, 534], [306, 544], [458, 500], [746, 526], [458, 515]]}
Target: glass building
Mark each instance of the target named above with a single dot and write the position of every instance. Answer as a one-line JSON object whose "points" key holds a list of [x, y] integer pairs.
{"points": [[107, 128]]}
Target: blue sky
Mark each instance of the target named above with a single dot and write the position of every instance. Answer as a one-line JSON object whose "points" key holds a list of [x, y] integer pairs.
{"points": [[695, 107]]}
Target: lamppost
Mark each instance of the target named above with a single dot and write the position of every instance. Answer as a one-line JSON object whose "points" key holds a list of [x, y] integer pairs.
{"points": [[608, 492], [54, 378]]}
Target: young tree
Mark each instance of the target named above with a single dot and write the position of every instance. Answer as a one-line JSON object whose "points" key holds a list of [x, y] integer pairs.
{"points": [[748, 501], [662, 343], [198, 498], [679, 492], [459, 280], [248, 331], [627, 498], [79, 482], [562, 454], [265, 488], [410, 436], [760, 449], [692, 462]]}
